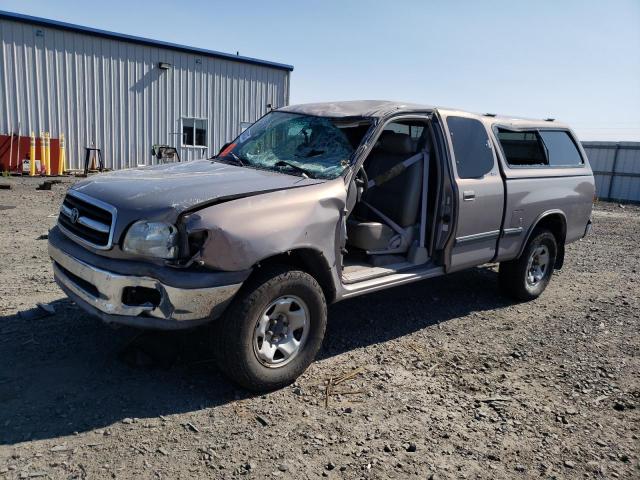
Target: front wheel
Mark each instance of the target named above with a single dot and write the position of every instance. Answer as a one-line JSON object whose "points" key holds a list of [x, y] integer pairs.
{"points": [[526, 277], [272, 330]]}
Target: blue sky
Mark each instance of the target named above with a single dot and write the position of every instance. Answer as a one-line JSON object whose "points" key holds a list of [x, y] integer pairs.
{"points": [[578, 61]]}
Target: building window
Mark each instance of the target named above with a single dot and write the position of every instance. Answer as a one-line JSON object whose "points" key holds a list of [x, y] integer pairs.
{"points": [[194, 132]]}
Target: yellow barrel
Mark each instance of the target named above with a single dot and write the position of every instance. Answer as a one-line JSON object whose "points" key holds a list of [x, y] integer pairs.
{"points": [[47, 146], [32, 155], [61, 157]]}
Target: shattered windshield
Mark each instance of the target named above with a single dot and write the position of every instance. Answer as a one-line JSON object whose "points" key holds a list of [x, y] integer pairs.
{"points": [[315, 147]]}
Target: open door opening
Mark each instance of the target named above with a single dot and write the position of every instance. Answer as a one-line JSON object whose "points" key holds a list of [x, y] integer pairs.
{"points": [[396, 188]]}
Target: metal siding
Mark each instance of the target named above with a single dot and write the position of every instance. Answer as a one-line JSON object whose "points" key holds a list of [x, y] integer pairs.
{"points": [[111, 93], [616, 178], [94, 32], [627, 187]]}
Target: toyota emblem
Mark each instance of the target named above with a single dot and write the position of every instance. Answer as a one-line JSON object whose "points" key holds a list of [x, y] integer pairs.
{"points": [[73, 215]]}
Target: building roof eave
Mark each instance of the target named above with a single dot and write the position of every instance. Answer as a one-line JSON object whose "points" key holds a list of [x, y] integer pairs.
{"points": [[45, 22]]}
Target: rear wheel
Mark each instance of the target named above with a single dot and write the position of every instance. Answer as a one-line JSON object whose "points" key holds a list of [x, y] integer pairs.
{"points": [[272, 330], [526, 277]]}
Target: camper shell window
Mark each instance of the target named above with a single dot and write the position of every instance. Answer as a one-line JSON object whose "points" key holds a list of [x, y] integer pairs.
{"points": [[539, 148]]}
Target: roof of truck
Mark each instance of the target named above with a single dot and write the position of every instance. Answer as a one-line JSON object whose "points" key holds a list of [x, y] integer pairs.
{"points": [[382, 108], [354, 108]]}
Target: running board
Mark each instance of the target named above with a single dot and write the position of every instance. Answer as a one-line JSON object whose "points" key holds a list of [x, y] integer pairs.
{"points": [[374, 272], [390, 280]]}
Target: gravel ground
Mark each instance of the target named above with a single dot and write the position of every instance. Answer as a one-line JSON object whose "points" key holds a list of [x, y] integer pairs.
{"points": [[440, 379]]}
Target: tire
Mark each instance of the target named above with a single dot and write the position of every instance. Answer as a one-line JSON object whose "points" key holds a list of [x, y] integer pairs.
{"points": [[244, 340], [524, 278]]}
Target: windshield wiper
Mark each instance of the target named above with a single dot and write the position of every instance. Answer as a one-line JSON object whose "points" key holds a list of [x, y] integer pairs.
{"points": [[240, 161], [304, 171], [235, 159]]}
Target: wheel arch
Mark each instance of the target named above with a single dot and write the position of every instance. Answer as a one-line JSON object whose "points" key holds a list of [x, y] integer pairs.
{"points": [[556, 222], [308, 260]]}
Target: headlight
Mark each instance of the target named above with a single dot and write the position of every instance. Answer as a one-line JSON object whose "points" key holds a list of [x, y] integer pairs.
{"points": [[152, 239]]}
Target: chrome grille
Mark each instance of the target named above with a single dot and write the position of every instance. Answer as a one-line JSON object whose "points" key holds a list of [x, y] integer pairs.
{"points": [[87, 220]]}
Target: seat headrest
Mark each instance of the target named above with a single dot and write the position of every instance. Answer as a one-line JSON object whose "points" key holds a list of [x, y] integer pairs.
{"points": [[397, 143]]}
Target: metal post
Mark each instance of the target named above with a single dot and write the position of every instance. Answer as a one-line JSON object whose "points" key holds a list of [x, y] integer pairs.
{"points": [[43, 155], [10, 151], [47, 144], [18, 164], [32, 155], [613, 170], [61, 156]]}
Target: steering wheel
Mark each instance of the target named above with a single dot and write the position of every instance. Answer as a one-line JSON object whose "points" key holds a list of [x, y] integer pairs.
{"points": [[362, 181]]}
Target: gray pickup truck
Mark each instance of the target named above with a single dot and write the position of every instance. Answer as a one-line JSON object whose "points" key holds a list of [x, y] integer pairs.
{"points": [[313, 204]]}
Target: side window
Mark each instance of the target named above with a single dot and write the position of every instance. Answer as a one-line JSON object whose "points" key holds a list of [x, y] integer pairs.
{"points": [[416, 131], [397, 127], [471, 147], [561, 149], [521, 148], [554, 148], [412, 129]]}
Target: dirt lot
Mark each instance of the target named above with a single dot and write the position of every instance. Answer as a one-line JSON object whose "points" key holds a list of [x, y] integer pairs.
{"points": [[450, 380]]}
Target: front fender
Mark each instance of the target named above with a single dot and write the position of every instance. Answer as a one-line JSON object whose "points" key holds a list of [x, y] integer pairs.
{"points": [[241, 233]]}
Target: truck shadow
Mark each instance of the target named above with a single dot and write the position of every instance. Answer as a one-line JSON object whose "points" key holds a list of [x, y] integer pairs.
{"points": [[399, 311], [67, 372]]}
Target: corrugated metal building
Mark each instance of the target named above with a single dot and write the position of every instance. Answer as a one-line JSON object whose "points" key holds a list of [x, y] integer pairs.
{"points": [[616, 167], [124, 94]]}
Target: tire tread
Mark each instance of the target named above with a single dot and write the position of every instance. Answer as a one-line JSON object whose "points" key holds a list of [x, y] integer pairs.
{"points": [[228, 347], [512, 274]]}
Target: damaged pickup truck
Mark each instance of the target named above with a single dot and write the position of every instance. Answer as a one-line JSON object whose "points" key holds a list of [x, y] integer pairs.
{"points": [[314, 204]]}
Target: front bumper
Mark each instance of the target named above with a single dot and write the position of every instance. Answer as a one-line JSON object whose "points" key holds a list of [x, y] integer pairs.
{"points": [[102, 293]]}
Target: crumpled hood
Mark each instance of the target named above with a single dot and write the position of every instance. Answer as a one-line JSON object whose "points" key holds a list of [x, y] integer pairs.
{"points": [[163, 192], [180, 186]]}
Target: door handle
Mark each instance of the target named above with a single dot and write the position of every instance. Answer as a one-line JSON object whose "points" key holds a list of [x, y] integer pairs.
{"points": [[468, 195]]}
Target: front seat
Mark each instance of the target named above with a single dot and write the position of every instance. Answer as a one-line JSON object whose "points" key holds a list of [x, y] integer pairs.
{"points": [[398, 199]]}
